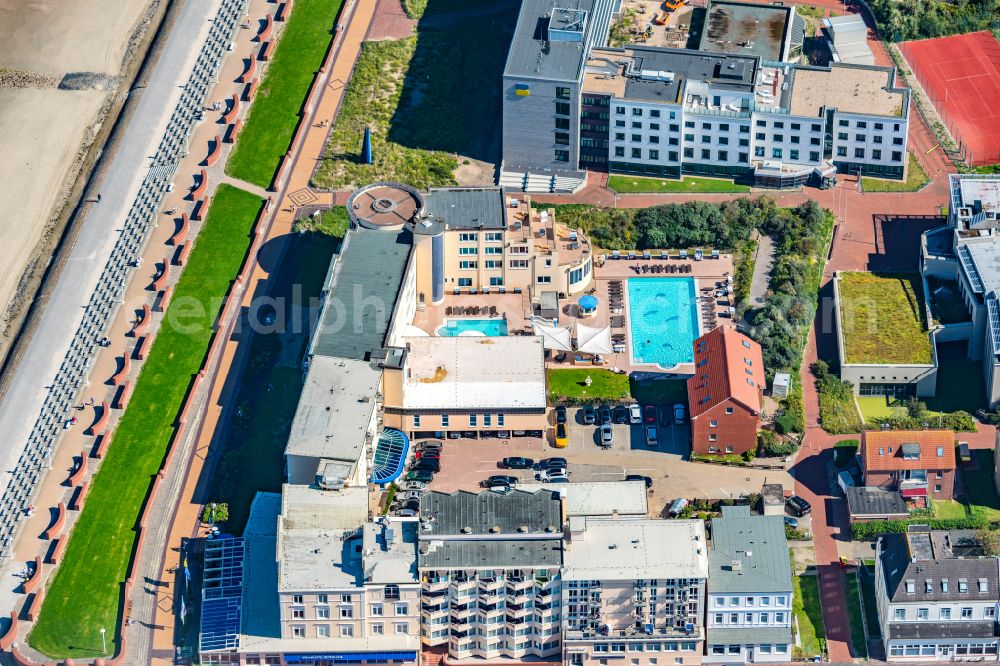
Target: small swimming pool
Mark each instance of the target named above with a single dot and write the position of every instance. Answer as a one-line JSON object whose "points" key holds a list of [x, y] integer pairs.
{"points": [[663, 320], [490, 327]]}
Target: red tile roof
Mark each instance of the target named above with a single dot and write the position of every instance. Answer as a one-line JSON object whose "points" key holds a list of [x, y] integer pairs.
{"points": [[882, 450], [727, 366]]}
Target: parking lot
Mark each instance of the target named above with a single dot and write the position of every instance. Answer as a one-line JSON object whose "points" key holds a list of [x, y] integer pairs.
{"points": [[465, 463]]}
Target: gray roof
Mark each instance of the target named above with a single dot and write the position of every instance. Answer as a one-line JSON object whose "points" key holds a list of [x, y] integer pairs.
{"points": [[505, 553], [746, 635], [533, 55], [465, 207], [516, 513], [736, 27], [360, 294], [933, 557], [874, 501], [723, 71], [909, 630], [261, 615], [758, 543], [390, 552]]}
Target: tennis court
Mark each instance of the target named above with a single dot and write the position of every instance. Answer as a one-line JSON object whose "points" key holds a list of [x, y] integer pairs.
{"points": [[961, 75]]}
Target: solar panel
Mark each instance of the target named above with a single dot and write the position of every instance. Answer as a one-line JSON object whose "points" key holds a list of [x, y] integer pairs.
{"points": [[221, 595], [993, 310], [970, 269], [387, 463]]}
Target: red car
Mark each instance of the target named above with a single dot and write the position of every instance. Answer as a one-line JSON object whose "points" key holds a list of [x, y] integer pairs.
{"points": [[428, 454], [649, 414]]}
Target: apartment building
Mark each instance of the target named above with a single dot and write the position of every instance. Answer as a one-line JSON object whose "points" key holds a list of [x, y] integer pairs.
{"points": [[964, 258], [725, 393], [919, 464], [732, 108], [937, 597], [490, 574], [749, 616], [467, 387], [634, 588]]}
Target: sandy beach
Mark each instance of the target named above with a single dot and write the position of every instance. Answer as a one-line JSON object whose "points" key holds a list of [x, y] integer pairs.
{"points": [[44, 131]]}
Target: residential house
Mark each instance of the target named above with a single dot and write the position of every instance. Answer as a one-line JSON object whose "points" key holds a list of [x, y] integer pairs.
{"points": [[749, 616], [725, 393], [936, 596], [920, 464]]}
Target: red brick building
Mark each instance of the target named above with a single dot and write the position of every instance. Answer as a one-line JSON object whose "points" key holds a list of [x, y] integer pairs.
{"points": [[724, 395], [917, 463]]}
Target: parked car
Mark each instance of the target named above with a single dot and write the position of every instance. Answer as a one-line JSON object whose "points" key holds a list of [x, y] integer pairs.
{"points": [[551, 472], [798, 506], [620, 414], [649, 413], [652, 437], [501, 478], [562, 438], [561, 414], [677, 506], [414, 485], [678, 413], [557, 478], [427, 454], [589, 414], [607, 435], [408, 509], [604, 414], [517, 462], [502, 488], [792, 522], [421, 475], [547, 463], [634, 414], [430, 464], [411, 495], [430, 444], [639, 477]]}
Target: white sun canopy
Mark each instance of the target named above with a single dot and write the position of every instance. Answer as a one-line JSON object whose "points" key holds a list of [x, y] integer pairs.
{"points": [[592, 340], [554, 337]]}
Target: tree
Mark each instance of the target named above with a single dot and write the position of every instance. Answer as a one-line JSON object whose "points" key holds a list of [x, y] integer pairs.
{"points": [[215, 512], [989, 542]]}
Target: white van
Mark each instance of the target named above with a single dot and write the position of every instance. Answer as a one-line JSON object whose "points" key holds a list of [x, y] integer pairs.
{"points": [[845, 481]]}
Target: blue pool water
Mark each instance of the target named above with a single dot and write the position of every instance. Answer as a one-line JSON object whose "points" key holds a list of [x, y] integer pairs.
{"points": [[663, 320], [491, 327]]}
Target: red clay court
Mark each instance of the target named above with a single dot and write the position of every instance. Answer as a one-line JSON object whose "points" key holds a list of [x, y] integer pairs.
{"points": [[961, 75]]}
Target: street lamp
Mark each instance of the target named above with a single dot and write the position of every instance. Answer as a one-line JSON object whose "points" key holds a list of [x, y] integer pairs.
{"points": [[104, 644]]}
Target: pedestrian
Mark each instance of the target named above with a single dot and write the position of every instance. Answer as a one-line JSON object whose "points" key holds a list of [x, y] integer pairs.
{"points": [[98, 197]]}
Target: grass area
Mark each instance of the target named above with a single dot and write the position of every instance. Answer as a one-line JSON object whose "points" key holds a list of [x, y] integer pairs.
{"points": [[84, 594], [275, 112], [813, 12], [659, 391], [414, 95], [950, 510], [332, 223], [987, 168], [946, 302], [868, 598], [690, 184], [855, 615], [809, 614], [570, 384], [883, 320], [837, 410], [844, 453], [916, 178], [980, 490]]}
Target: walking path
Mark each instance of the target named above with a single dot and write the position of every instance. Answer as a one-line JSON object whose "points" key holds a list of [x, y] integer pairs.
{"points": [[761, 270]]}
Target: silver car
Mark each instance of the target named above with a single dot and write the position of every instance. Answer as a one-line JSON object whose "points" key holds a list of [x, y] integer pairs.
{"points": [[607, 435]]}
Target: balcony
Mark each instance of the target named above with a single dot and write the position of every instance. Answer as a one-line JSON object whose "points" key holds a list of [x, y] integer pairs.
{"points": [[494, 585], [435, 585]]}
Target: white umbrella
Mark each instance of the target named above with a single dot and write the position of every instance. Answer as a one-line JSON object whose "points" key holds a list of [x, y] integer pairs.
{"points": [[554, 337], [592, 340]]}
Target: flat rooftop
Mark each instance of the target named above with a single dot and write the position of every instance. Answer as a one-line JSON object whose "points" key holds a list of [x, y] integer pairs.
{"points": [[474, 372], [390, 552], [312, 552], [334, 409], [598, 498], [535, 55], [261, 619], [360, 293], [883, 319], [758, 543], [465, 207], [490, 554], [630, 549], [659, 74], [465, 514], [735, 27], [980, 192], [848, 88]]}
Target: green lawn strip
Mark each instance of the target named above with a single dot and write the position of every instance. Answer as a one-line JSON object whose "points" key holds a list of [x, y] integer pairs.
{"points": [[844, 453], [84, 594], [883, 318], [950, 510], [916, 178], [665, 392], [275, 112], [690, 185], [980, 489], [569, 384], [855, 614], [809, 615], [868, 598]]}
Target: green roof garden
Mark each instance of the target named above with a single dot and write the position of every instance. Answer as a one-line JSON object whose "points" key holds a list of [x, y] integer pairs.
{"points": [[883, 319]]}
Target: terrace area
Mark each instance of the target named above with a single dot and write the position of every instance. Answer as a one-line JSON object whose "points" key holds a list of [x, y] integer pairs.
{"points": [[883, 319]]}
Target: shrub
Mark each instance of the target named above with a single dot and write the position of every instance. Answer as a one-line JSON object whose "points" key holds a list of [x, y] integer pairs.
{"points": [[875, 528], [844, 452], [959, 421], [215, 512]]}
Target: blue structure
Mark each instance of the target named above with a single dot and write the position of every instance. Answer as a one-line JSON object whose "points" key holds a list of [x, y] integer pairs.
{"points": [[221, 595], [390, 453], [366, 147], [588, 304]]}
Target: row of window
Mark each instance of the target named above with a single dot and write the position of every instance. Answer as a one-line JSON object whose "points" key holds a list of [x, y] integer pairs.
{"points": [[863, 124], [495, 281], [488, 264], [653, 127], [653, 113], [959, 649], [684, 646], [763, 648], [472, 236], [945, 613], [346, 610], [487, 420], [780, 124], [488, 249], [347, 630], [749, 618], [876, 154], [844, 136], [794, 138], [720, 602]]}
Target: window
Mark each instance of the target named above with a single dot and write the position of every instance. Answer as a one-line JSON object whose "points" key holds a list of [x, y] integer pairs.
{"points": [[468, 265], [636, 112], [861, 124], [346, 612], [473, 420], [637, 137], [713, 424], [758, 151], [963, 585], [298, 613], [776, 153], [760, 136], [859, 137], [814, 141], [322, 631], [744, 142], [723, 141], [544, 279], [765, 618], [897, 156], [562, 93], [562, 109], [654, 154], [619, 136], [468, 250], [298, 631], [946, 613], [619, 151], [843, 123], [637, 153], [464, 282], [619, 123], [713, 438], [563, 123], [778, 124], [814, 156], [500, 422], [654, 113], [378, 628], [729, 410], [877, 138], [765, 601], [795, 139], [744, 129], [816, 127], [706, 154], [719, 618], [900, 613], [689, 152], [779, 618], [322, 612], [793, 154], [723, 156], [402, 627], [841, 151], [562, 138], [779, 137], [654, 127], [688, 124], [636, 124], [706, 126], [923, 613], [734, 618], [620, 110], [706, 138], [966, 613], [562, 156], [444, 420], [689, 137], [761, 123], [990, 612], [296, 598], [744, 157], [654, 139], [842, 136], [487, 422], [346, 630]]}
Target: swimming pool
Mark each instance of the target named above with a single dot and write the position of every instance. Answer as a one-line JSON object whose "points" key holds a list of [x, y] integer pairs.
{"points": [[663, 320], [490, 327]]}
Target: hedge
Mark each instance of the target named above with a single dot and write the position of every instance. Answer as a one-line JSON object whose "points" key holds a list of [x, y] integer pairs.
{"points": [[958, 421], [875, 528]]}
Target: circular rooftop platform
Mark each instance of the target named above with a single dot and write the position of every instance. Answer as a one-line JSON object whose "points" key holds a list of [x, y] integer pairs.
{"points": [[384, 205]]}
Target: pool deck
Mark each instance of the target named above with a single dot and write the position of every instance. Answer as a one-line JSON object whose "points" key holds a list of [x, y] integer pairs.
{"points": [[516, 308]]}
